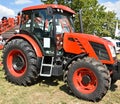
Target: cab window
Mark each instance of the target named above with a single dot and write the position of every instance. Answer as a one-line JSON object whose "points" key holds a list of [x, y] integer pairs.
{"points": [[26, 22]]}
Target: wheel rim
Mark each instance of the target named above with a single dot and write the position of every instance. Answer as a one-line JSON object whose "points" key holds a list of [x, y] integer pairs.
{"points": [[85, 81], [16, 63]]}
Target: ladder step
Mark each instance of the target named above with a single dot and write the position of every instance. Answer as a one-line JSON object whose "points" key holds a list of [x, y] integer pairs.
{"points": [[46, 71], [46, 66]]}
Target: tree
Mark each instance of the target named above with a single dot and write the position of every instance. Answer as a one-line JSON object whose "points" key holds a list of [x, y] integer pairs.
{"points": [[95, 19], [109, 22]]}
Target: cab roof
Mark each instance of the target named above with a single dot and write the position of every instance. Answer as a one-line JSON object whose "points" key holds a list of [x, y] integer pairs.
{"points": [[55, 6]]}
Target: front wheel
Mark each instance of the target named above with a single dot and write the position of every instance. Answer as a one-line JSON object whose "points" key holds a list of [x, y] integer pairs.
{"points": [[88, 79], [20, 62]]}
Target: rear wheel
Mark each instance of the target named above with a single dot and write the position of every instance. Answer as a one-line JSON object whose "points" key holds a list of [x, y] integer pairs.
{"points": [[88, 79], [20, 62]]}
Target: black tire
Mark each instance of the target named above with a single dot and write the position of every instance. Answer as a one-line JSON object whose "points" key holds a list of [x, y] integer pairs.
{"points": [[20, 62], [88, 79], [114, 77]]}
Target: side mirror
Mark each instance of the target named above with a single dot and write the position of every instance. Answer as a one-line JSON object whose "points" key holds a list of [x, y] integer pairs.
{"points": [[49, 10]]}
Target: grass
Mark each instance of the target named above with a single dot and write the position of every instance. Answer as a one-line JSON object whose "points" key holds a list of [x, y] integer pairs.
{"points": [[48, 91], [118, 56]]}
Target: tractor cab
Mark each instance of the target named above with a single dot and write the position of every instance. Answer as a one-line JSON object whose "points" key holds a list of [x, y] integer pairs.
{"points": [[47, 24]]}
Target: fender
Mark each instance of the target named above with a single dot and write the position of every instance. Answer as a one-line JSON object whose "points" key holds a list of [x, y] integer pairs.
{"points": [[82, 55], [31, 41]]}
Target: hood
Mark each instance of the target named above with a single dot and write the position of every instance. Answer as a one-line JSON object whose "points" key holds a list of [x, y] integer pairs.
{"points": [[90, 37]]}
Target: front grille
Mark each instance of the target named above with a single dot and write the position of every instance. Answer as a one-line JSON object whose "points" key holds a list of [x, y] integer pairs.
{"points": [[100, 51]]}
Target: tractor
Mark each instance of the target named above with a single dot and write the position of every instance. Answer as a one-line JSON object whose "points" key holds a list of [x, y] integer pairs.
{"points": [[47, 45]]}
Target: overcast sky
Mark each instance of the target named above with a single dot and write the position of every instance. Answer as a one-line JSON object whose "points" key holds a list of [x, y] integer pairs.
{"points": [[12, 7]]}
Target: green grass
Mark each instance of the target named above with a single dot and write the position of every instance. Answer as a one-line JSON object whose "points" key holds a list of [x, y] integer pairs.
{"points": [[48, 91], [118, 56]]}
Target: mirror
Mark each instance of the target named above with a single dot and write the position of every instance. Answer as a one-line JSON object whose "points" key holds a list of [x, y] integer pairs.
{"points": [[49, 10]]}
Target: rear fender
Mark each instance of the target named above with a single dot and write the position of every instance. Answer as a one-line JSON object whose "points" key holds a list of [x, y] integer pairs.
{"points": [[30, 40]]}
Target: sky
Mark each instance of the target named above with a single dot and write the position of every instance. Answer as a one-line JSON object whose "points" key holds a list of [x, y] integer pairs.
{"points": [[10, 8]]}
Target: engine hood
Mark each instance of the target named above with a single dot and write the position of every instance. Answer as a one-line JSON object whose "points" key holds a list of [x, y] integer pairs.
{"points": [[90, 37], [94, 46]]}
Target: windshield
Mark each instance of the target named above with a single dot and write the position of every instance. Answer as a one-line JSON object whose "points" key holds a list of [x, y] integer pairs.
{"points": [[63, 23]]}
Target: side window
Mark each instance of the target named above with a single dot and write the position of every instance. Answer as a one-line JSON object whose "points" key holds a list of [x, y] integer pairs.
{"points": [[25, 22], [38, 21], [41, 23]]}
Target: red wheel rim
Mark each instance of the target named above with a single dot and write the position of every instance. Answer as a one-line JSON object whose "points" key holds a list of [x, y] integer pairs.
{"points": [[85, 81], [16, 63]]}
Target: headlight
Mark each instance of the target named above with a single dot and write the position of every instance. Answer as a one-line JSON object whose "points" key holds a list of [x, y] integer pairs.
{"points": [[112, 50]]}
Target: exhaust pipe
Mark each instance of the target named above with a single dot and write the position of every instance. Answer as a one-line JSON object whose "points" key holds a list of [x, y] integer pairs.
{"points": [[80, 19]]}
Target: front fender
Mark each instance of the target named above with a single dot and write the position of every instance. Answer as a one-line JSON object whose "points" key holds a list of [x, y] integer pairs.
{"points": [[75, 58], [30, 40]]}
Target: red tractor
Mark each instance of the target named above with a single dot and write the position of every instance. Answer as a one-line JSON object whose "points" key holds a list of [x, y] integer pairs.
{"points": [[47, 45]]}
